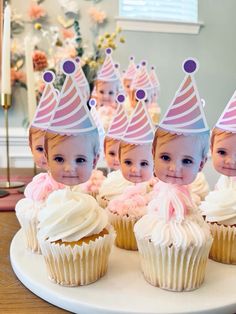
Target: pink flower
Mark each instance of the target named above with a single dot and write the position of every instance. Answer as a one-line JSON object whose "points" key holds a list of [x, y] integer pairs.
{"points": [[97, 16], [36, 11], [67, 33]]}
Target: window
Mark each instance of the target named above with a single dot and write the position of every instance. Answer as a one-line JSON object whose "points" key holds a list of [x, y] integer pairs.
{"points": [[167, 10], [172, 16]]}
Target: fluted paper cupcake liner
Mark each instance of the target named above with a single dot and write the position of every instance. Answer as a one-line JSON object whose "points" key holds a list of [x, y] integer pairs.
{"points": [[29, 226], [124, 227], [78, 265], [173, 268], [223, 249]]}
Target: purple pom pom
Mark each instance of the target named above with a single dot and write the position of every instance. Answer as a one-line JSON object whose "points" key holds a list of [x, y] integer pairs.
{"points": [[77, 59], [140, 94], [108, 51], [92, 102], [48, 77], [121, 98], [144, 63], [68, 67], [190, 66]]}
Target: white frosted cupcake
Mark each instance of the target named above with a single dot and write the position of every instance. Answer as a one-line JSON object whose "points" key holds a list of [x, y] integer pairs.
{"points": [[75, 238], [114, 185], [124, 211], [219, 208], [173, 241], [199, 188], [27, 209]]}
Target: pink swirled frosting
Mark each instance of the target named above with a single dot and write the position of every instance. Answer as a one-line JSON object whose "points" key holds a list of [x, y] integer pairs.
{"points": [[94, 182], [133, 202], [41, 186]]}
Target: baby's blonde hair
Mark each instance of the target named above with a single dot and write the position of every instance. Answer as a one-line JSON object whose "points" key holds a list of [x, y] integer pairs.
{"points": [[37, 133], [124, 146], [216, 132], [166, 136], [109, 141], [54, 139]]}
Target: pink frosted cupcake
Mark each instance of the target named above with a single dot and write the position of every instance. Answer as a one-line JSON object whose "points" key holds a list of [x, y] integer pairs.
{"points": [[93, 185], [28, 208], [124, 211], [173, 240]]}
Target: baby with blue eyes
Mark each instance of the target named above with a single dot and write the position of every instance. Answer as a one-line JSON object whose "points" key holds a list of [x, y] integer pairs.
{"points": [[179, 158], [136, 162], [71, 159]]}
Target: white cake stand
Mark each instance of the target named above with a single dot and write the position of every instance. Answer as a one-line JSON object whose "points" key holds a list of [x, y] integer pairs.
{"points": [[123, 289]]}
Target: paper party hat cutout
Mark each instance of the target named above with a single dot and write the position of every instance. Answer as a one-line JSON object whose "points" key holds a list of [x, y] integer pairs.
{"points": [[81, 79], [96, 118], [140, 129], [131, 70], [108, 72], [71, 115], [153, 78], [47, 102], [142, 79], [227, 120], [185, 114], [120, 121]]}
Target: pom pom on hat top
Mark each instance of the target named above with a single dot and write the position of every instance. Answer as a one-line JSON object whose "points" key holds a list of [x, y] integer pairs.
{"points": [[71, 116], [185, 114], [46, 104]]}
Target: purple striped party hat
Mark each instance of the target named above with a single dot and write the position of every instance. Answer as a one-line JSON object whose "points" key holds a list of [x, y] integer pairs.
{"points": [[47, 102], [120, 121], [131, 70], [81, 79], [140, 128], [185, 114], [142, 79], [227, 120], [71, 115], [108, 72]]}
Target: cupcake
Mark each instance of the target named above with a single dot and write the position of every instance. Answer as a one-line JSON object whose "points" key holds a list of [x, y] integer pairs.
{"points": [[75, 238], [219, 208], [124, 211], [28, 208], [93, 185], [112, 186], [199, 188], [173, 240]]}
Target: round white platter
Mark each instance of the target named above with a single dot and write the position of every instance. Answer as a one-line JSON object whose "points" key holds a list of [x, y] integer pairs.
{"points": [[123, 289]]}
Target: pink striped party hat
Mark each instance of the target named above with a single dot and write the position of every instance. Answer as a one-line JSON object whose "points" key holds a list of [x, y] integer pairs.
{"points": [[140, 129], [142, 79], [71, 115], [120, 121], [96, 118], [185, 114], [154, 79], [81, 79], [131, 70], [47, 102], [227, 120], [108, 72]]}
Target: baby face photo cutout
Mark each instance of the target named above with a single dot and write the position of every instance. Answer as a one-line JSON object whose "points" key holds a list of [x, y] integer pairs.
{"points": [[181, 140], [223, 141], [41, 120], [136, 146], [71, 141]]}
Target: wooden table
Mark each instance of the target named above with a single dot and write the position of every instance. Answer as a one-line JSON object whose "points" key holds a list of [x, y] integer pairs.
{"points": [[14, 297]]}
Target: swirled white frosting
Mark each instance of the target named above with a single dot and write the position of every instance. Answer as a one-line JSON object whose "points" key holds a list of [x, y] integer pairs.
{"points": [[28, 208], [200, 187], [172, 219], [70, 216], [115, 184], [220, 205]]}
